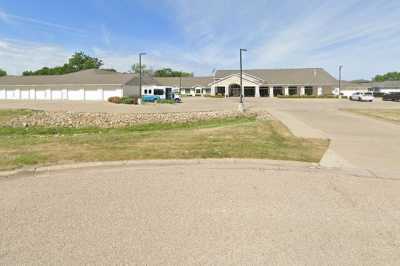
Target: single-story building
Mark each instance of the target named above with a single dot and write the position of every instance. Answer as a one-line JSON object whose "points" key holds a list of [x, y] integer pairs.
{"points": [[100, 85], [385, 86], [87, 85], [274, 82], [348, 88], [188, 86]]}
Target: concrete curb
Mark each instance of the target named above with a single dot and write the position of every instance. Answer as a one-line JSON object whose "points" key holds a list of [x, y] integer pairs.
{"points": [[56, 168], [218, 163]]}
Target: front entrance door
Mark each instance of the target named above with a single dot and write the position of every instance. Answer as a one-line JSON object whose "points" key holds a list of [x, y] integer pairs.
{"points": [[168, 93], [234, 90]]}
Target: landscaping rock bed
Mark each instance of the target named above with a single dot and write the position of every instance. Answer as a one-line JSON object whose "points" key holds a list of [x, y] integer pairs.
{"points": [[106, 120]]}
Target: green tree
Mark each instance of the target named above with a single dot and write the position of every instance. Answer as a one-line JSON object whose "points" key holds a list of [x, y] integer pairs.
{"points": [[78, 61], [3, 73], [135, 69], [168, 72], [387, 76]]}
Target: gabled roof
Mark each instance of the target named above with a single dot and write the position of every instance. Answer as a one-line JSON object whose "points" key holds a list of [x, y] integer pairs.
{"points": [[187, 82], [91, 76], [386, 84], [299, 76]]}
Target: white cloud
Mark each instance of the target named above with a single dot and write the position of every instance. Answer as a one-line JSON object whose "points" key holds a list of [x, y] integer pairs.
{"points": [[12, 19], [17, 56]]}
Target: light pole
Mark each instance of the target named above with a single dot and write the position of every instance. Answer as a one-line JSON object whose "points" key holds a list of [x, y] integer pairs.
{"points": [[140, 74], [340, 81], [241, 107]]}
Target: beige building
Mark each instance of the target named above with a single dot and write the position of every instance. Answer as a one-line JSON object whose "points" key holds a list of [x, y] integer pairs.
{"points": [[100, 85], [274, 82]]}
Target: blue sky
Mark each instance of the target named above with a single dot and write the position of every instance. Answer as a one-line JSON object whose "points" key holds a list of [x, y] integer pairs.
{"points": [[199, 36]]}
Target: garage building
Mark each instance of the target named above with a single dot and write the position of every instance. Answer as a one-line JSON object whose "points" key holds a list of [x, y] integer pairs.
{"points": [[87, 85]]}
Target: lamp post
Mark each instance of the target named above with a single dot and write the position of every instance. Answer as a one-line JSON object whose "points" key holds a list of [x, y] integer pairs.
{"points": [[340, 81], [140, 75], [241, 106]]}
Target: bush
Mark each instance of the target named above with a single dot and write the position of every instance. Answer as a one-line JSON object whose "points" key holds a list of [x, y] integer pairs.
{"points": [[124, 100], [115, 99]]}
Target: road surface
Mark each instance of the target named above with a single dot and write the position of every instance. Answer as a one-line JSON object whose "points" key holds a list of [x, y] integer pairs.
{"points": [[200, 212]]}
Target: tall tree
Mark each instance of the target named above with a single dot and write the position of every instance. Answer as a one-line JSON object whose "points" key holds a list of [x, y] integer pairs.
{"points": [[78, 61], [168, 72], [3, 73], [387, 76], [135, 69]]}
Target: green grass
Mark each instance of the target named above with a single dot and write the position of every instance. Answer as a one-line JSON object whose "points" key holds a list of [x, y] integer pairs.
{"points": [[7, 114], [391, 115], [242, 137]]}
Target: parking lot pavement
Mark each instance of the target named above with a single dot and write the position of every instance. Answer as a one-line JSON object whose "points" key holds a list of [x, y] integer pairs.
{"points": [[190, 104], [356, 141], [194, 104], [219, 212]]}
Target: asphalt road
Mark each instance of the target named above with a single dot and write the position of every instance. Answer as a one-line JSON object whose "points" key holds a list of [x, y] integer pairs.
{"points": [[214, 212]]}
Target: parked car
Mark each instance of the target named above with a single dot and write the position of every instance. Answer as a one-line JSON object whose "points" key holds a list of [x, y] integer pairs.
{"points": [[362, 97], [394, 96]]}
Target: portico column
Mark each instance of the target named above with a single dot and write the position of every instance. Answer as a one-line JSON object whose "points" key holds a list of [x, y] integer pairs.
{"points": [[302, 91], [212, 90], [319, 93], [271, 92], [257, 92], [286, 91]]}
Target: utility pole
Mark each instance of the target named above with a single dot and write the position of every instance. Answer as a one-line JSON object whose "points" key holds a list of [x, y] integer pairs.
{"points": [[340, 81], [140, 76], [241, 105]]}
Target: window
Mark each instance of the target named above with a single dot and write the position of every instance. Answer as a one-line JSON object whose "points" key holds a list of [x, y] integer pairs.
{"points": [[308, 91], [198, 91], [149, 91], [158, 92], [145, 91], [220, 90], [292, 91], [187, 91]]}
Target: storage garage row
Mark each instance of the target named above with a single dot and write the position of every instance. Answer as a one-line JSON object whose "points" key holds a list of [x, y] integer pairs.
{"points": [[88, 85]]}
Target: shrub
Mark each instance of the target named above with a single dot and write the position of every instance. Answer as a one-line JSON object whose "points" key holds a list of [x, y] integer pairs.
{"points": [[115, 99], [124, 100], [127, 100]]}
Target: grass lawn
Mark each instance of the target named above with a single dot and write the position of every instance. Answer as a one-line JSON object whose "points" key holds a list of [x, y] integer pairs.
{"points": [[7, 114], [244, 137], [392, 115]]}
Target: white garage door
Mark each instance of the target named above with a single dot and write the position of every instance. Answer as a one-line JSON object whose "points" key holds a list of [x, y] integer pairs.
{"points": [[93, 95], [56, 94], [111, 93], [42, 95], [75, 95], [25, 94], [2, 94], [12, 94]]}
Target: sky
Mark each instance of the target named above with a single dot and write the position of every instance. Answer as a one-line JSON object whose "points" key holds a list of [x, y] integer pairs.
{"points": [[201, 36]]}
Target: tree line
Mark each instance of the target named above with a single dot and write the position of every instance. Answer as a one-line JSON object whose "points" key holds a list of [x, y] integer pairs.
{"points": [[81, 61], [387, 77]]}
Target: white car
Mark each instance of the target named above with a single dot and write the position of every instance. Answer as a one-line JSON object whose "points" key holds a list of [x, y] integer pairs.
{"points": [[362, 97]]}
